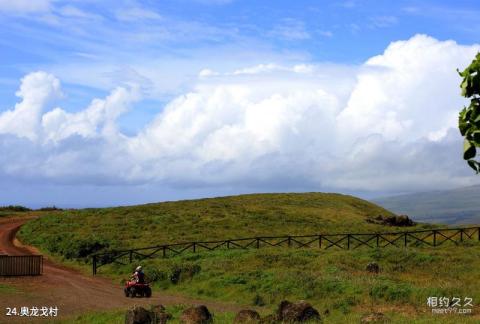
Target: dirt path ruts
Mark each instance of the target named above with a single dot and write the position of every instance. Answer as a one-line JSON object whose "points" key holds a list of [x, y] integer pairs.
{"points": [[68, 289]]}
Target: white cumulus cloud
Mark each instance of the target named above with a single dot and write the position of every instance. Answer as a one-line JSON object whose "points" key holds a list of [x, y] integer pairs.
{"points": [[98, 119], [37, 90], [386, 125]]}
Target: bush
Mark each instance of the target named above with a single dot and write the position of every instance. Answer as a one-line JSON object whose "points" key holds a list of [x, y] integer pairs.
{"points": [[183, 272], [15, 208], [74, 248], [52, 208], [155, 274]]}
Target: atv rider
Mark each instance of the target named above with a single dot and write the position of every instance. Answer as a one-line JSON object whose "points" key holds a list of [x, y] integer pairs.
{"points": [[138, 276]]}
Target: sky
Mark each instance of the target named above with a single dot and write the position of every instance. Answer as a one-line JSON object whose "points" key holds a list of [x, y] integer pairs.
{"points": [[108, 103]]}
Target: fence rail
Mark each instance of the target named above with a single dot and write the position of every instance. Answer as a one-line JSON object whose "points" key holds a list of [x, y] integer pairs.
{"points": [[346, 241], [23, 265]]}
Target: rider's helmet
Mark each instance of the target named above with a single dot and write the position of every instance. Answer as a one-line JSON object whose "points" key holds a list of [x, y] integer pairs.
{"points": [[139, 268]]}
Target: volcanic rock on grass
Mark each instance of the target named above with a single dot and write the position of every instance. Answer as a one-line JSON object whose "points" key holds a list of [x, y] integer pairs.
{"points": [[160, 316], [247, 316], [400, 221], [296, 312], [373, 267], [138, 315], [196, 315]]}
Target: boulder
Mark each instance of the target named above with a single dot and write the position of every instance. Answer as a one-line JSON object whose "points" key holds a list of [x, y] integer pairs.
{"points": [[373, 267], [400, 221], [297, 312], [160, 316], [196, 315], [138, 315], [247, 316]]}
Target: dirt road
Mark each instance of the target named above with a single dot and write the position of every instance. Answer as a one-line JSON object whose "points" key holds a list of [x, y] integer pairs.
{"points": [[69, 290]]}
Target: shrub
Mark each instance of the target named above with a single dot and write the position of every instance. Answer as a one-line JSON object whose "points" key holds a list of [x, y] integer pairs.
{"points": [[155, 274], [74, 248], [175, 274], [182, 272], [52, 208], [15, 208]]}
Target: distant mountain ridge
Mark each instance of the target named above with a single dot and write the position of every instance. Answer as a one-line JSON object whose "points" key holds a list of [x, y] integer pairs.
{"points": [[456, 206]]}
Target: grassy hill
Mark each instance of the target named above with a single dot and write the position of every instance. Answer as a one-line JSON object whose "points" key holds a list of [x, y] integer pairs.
{"points": [[204, 219], [334, 281], [457, 206]]}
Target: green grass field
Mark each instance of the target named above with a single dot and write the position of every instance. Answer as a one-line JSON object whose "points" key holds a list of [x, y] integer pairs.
{"points": [[76, 233], [334, 281]]}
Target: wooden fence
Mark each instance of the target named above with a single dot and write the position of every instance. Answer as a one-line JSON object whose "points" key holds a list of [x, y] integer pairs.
{"points": [[24, 265], [346, 241]]}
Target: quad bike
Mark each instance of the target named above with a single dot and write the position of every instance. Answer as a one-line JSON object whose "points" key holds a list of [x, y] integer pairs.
{"points": [[133, 289]]}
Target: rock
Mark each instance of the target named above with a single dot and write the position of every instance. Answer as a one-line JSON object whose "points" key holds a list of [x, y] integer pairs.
{"points": [[160, 316], [374, 317], [138, 315], [158, 308], [196, 315], [373, 267], [297, 312], [400, 221], [247, 316]]}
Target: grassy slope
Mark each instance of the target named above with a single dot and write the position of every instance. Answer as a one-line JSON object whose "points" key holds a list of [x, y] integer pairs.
{"points": [[332, 279], [458, 206], [216, 218]]}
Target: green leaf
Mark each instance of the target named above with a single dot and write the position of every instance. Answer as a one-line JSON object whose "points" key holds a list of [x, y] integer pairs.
{"points": [[463, 127], [474, 165], [464, 86], [476, 137], [469, 118], [469, 150]]}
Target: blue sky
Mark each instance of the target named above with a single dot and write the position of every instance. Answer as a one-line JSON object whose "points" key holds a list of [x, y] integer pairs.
{"points": [[115, 89]]}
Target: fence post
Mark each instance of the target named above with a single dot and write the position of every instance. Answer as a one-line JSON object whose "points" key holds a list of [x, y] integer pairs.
{"points": [[320, 241], [94, 266], [130, 256], [194, 247], [461, 235], [378, 240], [228, 244], [348, 241], [434, 238], [258, 242], [479, 233], [164, 252], [289, 241], [405, 238]]}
